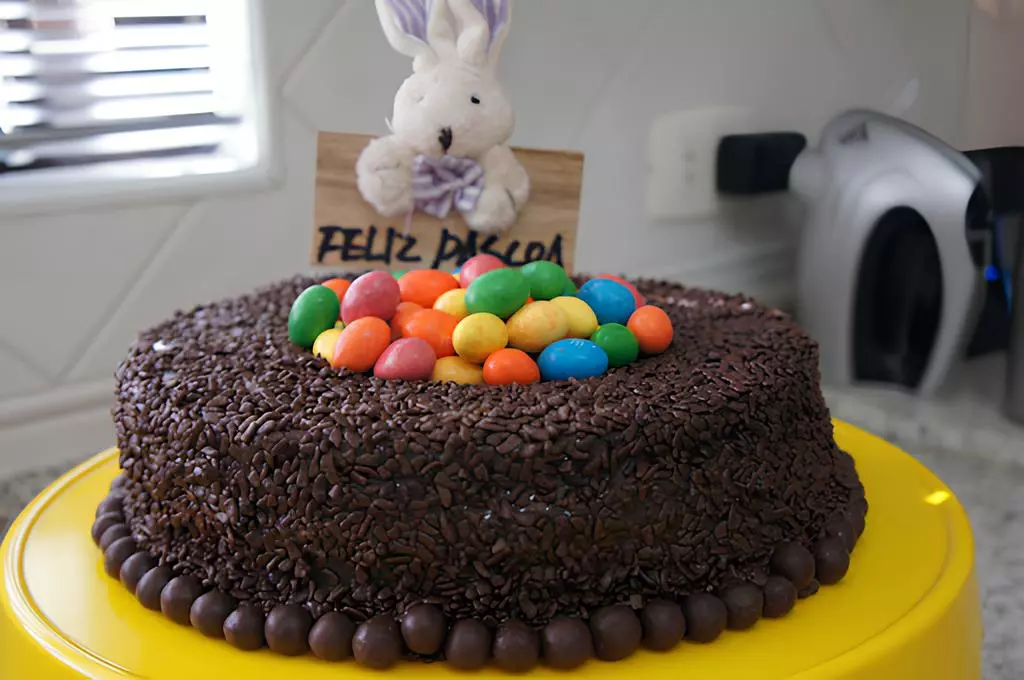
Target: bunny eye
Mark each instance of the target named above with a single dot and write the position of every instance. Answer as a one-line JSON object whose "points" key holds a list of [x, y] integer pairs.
{"points": [[475, 99]]}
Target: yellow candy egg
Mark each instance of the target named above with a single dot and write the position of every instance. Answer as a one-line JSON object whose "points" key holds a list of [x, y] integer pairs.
{"points": [[457, 370], [453, 303], [536, 326], [323, 346], [478, 335], [582, 320]]}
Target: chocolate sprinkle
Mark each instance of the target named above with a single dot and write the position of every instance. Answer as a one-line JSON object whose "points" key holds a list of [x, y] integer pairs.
{"points": [[663, 624], [113, 534], [706, 617], [468, 645], [516, 647], [151, 585], [423, 629], [794, 562], [616, 631], [331, 637], [567, 643], [134, 568], [779, 597], [104, 522], [377, 643], [210, 611], [287, 630], [116, 555], [744, 604], [177, 598], [831, 561], [243, 628]]}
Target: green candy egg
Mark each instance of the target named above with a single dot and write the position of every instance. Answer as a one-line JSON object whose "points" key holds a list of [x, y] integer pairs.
{"points": [[398, 273], [547, 279], [570, 289], [500, 292], [313, 312], [618, 342]]}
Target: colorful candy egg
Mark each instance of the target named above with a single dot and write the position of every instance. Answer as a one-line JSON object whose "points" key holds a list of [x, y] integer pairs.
{"points": [[500, 292], [397, 274], [479, 335], [536, 326], [547, 279], [361, 344], [652, 328], [570, 289], [339, 286], [510, 366], [403, 313], [476, 266], [582, 320], [637, 295], [453, 303], [313, 312], [611, 301], [325, 342], [572, 358], [373, 294], [424, 286], [618, 342], [340, 325], [406, 359], [436, 328], [457, 370]]}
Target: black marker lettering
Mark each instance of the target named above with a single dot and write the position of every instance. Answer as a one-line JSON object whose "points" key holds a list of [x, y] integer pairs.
{"points": [[535, 250], [555, 252], [403, 253], [327, 244], [448, 248]]}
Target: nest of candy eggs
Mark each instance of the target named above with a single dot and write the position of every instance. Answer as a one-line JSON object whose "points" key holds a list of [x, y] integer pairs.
{"points": [[486, 323]]}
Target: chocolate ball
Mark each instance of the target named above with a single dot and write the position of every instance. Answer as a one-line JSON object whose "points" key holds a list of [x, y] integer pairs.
{"points": [[566, 644], [331, 637], [744, 604], [423, 629], [842, 530], [115, 533], [210, 611], [706, 617], [516, 647], [794, 562], [811, 589], [858, 523], [779, 597], [831, 560], [151, 585], [134, 568], [616, 632], [177, 598], [112, 503], [468, 645], [243, 628], [287, 629], [116, 554], [663, 624], [104, 522], [119, 482], [377, 643]]}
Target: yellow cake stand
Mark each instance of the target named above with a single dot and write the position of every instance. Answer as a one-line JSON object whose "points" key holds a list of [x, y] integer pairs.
{"points": [[908, 609]]}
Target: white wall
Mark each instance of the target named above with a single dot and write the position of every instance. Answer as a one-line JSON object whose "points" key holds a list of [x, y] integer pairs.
{"points": [[584, 74]]}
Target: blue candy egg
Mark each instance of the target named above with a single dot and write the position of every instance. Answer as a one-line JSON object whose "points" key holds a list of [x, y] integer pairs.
{"points": [[611, 301], [572, 358]]}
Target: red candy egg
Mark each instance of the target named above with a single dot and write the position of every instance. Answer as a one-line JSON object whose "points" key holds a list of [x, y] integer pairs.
{"points": [[375, 294], [424, 286], [361, 343], [436, 328], [476, 266], [640, 299], [406, 359]]}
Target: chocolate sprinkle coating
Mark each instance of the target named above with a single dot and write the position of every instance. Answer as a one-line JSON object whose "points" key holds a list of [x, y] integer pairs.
{"points": [[116, 554], [423, 629], [134, 568], [468, 645], [744, 604], [331, 637], [663, 624], [516, 647], [616, 631], [287, 629], [243, 628], [566, 643], [794, 562], [151, 586], [377, 643], [118, 482], [779, 597], [210, 611], [113, 534], [706, 617], [104, 522], [111, 504], [831, 560], [177, 598]]}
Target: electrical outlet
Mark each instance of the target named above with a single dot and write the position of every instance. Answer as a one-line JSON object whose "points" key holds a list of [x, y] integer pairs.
{"points": [[682, 152]]}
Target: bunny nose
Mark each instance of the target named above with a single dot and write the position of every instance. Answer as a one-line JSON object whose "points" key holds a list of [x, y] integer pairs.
{"points": [[445, 138]]}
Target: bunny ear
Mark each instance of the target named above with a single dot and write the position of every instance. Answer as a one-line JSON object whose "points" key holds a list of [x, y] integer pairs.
{"points": [[499, 20], [416, 28], [483, 27]]}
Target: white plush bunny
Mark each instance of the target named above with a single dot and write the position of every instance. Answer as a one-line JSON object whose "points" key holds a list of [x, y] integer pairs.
{"points": [[451, 119]]}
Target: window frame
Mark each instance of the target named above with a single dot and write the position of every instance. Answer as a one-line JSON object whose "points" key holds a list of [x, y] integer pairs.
{"points": [[36, 193]]}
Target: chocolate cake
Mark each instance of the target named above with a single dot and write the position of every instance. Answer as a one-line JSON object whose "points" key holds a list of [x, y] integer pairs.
{"points": [[278, 502]]}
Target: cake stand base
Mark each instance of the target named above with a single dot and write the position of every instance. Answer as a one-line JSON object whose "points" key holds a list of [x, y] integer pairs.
{"points": [[908, 609]]}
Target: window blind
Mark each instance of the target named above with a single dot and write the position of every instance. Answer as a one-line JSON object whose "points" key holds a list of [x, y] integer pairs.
{"points": [[85, 84]]}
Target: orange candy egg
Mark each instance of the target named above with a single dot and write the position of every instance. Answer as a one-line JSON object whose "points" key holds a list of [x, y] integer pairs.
{"points": [[401, 318], [339, 286], [652, 328], [424, 286], [435, 327], [510, 366], [361, 344]]}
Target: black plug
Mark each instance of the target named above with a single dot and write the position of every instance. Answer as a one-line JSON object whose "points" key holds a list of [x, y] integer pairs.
{"points": [[757, 163]]}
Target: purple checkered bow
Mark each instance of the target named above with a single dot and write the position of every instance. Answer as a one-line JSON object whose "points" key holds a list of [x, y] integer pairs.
{"points": [[438, 184]]}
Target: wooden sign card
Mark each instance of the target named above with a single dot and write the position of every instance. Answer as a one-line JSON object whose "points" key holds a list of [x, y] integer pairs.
{"points": [[349, 235]]}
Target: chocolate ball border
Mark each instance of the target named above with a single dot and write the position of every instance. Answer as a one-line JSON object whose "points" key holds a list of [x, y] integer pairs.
{"points": [[612, 633]]}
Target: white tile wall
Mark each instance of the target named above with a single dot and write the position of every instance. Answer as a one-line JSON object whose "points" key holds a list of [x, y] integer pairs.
{"points": [[589, 75]]}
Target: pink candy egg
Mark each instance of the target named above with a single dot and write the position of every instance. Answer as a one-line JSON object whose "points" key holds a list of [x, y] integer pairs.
{"points": [[374, 294], [406, 359], [477, 266]]}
